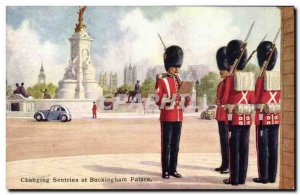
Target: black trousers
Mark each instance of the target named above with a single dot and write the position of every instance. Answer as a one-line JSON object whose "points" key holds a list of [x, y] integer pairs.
{"points": [[267, 151], [223, 132], [170, 138], [238, 153]]}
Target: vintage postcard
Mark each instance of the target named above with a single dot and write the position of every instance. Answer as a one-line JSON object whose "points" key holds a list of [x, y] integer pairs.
{"points": [[150, 97]]}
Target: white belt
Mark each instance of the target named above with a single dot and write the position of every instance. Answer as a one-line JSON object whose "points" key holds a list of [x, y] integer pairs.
{"points": [[261, 116], [229, 117]]}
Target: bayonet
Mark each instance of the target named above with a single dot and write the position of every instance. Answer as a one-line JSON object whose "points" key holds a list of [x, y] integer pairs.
{"points": [[264, 38], [276, 36], [249, 32], [253, 52], [162, 41]]}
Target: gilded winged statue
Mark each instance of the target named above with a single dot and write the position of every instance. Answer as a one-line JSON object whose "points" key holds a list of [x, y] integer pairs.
{"points": [[80, 23]]}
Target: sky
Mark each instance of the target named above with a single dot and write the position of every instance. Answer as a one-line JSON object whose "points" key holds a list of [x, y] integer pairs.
{"points": [[40, 33]]}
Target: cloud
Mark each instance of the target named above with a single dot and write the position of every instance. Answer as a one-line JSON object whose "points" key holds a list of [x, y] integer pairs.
{"points": [[24, 52], [194, 29], [131, 33]]}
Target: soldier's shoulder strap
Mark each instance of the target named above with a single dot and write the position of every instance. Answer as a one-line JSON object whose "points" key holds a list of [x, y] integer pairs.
{"points": [[162, 75]]}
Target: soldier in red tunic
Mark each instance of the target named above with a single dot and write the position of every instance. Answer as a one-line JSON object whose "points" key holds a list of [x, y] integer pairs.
{"points": [[238, 97], [94, 110], [221, 114], [168, 100], [267, 115]]}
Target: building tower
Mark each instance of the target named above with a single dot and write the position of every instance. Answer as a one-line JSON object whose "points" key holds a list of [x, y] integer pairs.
{"points": [[130, 74], [42, 76], [103, 80], [113, 80]]}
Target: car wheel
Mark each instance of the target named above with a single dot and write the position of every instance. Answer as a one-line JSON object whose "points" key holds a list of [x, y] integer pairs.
{"points": [[64, 118], [38, 117]]}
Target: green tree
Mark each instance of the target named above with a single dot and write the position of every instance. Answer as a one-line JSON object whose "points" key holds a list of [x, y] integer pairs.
{"points": [[252, 68], [208, 85], [52, 89], [126, 87], [107, 90], [36, 90], [147, 87]]}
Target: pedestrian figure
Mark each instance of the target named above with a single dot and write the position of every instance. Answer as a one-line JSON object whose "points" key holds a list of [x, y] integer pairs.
{"points": [[94, 110], [137, 92]]}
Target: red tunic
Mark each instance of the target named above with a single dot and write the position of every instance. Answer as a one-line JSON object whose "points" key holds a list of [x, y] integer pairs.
{"points": [[230, 96], [94, 109], [264, 97], [167, 88], [221, 113]]}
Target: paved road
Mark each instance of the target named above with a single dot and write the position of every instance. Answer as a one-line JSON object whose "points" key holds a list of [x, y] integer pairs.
{"points": [[28, 139], [109, 148], [115, 171]]}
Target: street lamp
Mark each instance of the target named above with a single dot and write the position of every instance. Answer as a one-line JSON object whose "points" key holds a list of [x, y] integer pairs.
{"points": [[197, 95]]}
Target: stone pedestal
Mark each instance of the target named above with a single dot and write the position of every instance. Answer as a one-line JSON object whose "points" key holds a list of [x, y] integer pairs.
{"points": [[67, 89], [92, 90]]}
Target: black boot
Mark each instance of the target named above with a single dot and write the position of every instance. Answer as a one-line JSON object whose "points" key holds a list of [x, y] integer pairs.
{"points": [[227, 181], [175, 174], [218, 169], [224, 171], [165, 175], [258, 180]]}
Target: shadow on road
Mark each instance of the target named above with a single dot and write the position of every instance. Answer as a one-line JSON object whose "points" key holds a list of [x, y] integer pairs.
{"points": [[192, 167], [185, 179], [119, 170]]}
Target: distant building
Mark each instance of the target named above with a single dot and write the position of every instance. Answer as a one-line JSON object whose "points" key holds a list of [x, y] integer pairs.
{"points": [[152, 72], [193, 72], [42, 76], [130, 74], [103, 79], [108, 80], [197, 72], [113, 80]]}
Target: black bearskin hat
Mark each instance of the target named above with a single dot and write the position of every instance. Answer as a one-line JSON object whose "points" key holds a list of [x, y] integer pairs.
{"points": [[233, 51], [173, 57], [263, 51], [221, 59]]}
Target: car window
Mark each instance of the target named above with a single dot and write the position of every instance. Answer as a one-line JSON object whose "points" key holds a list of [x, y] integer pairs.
{"points": [[57, 109], [62, 109]]}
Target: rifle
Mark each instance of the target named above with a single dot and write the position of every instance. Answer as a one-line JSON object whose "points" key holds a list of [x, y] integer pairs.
{"points": [[243, 49], [253, 52], [266, 62]]}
